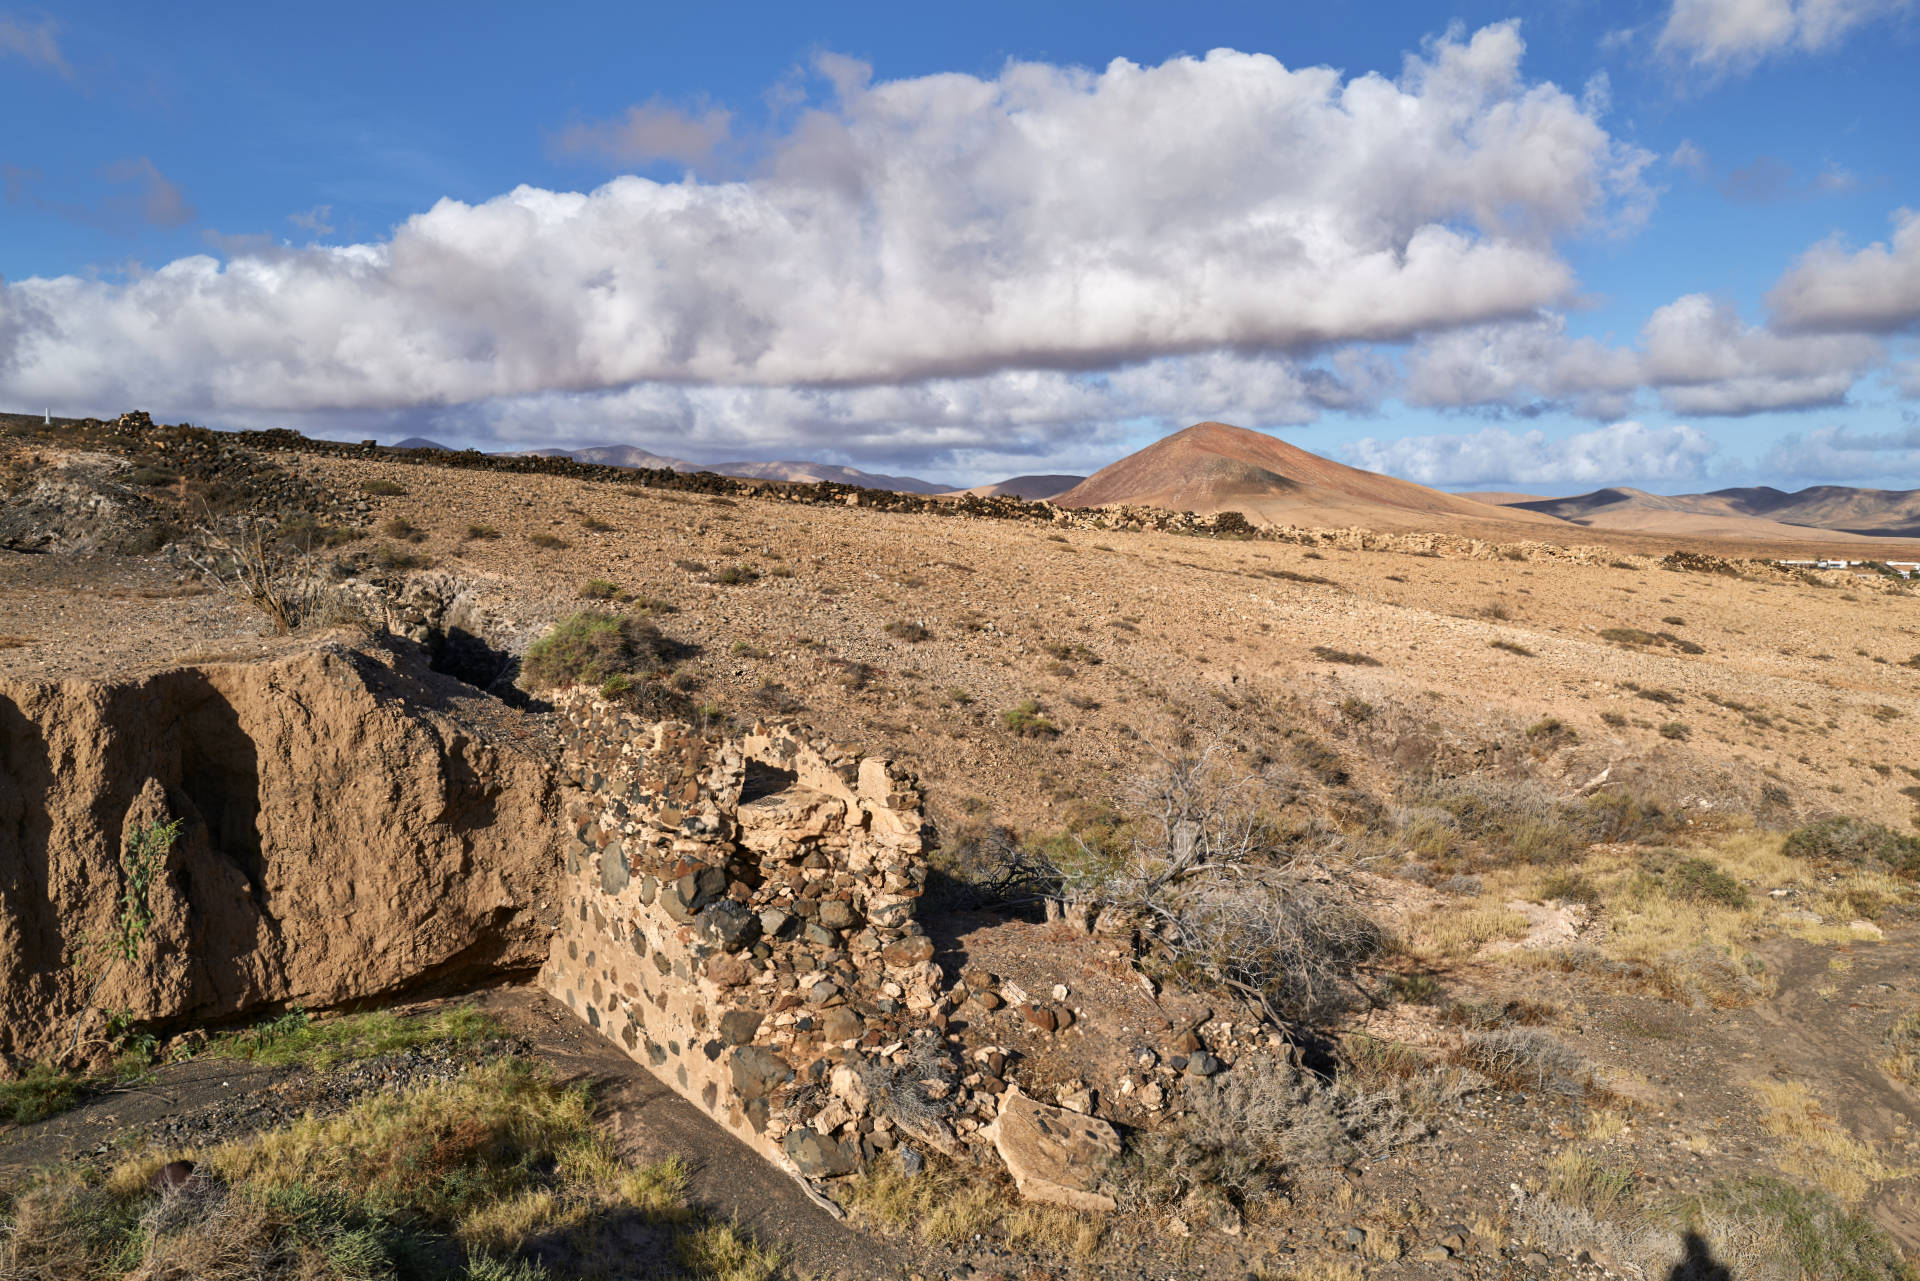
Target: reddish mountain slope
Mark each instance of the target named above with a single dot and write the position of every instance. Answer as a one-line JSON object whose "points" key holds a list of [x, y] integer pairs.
{"points": [[1213, 467]]}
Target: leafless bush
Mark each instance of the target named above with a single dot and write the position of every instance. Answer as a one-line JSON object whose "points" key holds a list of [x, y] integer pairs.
{"points": [[247, 560], [1233, 901], [909, 1090], [1520, 1056]]}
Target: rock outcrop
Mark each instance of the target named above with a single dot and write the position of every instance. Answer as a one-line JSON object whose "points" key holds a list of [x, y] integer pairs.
{"points": [[352, 825]]}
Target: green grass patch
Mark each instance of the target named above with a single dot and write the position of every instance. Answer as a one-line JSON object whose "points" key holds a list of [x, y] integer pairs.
{"points": [[297, 1038], [498, 1175]]}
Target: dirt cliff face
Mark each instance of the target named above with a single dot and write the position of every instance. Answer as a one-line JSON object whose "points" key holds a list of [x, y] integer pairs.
{"points": [[352, 825]]}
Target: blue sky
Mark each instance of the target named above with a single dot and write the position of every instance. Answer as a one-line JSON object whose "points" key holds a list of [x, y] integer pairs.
{"points": [[1541, 248]]}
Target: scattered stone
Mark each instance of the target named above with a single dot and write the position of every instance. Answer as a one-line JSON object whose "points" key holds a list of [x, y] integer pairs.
{"points": [[818, 1157]]}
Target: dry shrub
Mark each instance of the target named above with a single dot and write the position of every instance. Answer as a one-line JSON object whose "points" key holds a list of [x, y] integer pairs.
{"points": [[251, 562], [1524, 1057], [1231, 901]]}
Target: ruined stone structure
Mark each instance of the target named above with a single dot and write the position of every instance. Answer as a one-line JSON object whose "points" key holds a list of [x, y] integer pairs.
{"points": [[738, 915]]}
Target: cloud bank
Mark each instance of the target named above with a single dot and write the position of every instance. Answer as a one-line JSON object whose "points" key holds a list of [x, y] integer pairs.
{"points": [[1696, 352], [1497, 457], [945, 227]]}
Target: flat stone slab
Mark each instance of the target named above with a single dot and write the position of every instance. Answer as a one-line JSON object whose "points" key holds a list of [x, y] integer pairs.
{"points": [[1054, 1155]]}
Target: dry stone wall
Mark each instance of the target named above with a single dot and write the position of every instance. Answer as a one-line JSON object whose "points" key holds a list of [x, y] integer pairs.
{"points": [[739, 916]]}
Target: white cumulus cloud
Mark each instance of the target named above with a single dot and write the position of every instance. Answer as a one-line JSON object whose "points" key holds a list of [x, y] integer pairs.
{"points": [[1875, 289], [1720, 36], [944, 227], [1494, 456]]}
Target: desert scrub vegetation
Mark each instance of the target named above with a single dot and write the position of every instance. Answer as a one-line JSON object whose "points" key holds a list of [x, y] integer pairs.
{"points": [[1231, 901], [379, 487], [1328, 654], [1760, 1227], [399, 527], [1839, 839], [911, 632], [499, 1174], [1025, 719], [1251, 1133], [736, 576], [548, 542], [589, 647], [599, 589]]}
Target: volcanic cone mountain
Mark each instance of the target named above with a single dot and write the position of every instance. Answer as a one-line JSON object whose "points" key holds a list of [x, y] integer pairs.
{"points": [[1214, 467]]}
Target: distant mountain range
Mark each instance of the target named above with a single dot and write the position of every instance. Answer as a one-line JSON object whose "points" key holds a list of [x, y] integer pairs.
{"points": [[1031, 488], [1819, 513], [1213, 467]]}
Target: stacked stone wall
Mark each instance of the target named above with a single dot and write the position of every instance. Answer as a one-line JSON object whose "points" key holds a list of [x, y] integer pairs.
{"points": [[738, 915]]}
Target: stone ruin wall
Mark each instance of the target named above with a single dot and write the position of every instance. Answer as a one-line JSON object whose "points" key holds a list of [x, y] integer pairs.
{"points": [[739, 917]]}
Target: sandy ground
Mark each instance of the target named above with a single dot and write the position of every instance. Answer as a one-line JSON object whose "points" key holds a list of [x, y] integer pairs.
{"points": [[1121, 636]]}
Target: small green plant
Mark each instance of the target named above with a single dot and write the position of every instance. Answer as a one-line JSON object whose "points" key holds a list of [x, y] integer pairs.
{"points": [[1700, 880], [911, 632], [548, 542], [589, 647], [1356, 709], [1569, 887], [599, 589], [379, 487], [1674, 620], [404, 530], [617, 687], [1327, 654], [746, 649], [482, 533], [1024, 719], [737, 576], [1615, 719], [1414, 989], [39, 1092], [1510, 647], [958, 696], [1628, 636], [390, 559], [594, 525], [1664, 697], [1550, 729], [1676, 730], [143, 854]]}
